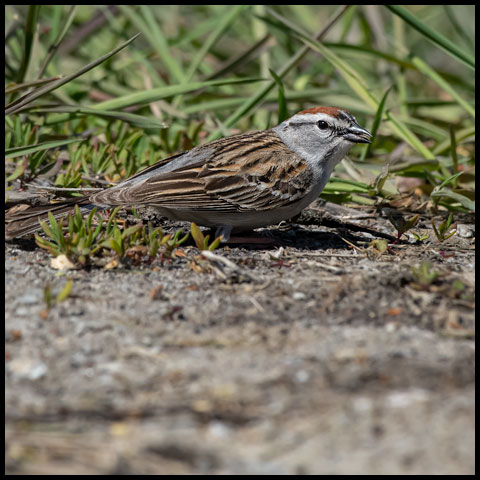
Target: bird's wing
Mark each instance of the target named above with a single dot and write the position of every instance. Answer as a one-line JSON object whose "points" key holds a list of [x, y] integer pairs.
{"points": [[248, 172]]}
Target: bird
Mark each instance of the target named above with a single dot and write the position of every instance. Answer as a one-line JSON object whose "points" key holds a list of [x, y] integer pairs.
{"points": [[232, 184]]}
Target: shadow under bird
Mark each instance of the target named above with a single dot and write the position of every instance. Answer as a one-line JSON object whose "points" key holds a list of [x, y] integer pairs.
{"points": [[234, 184]]}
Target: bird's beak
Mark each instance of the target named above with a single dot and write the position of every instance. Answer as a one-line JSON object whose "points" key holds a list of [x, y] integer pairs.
{"points": [[357, 134]]}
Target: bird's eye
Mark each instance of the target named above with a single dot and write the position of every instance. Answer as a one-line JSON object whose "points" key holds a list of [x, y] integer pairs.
{"points": [[322, 125]]}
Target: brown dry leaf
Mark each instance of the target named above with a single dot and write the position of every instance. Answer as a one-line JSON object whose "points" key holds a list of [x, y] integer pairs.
{"points": [[111, 264], [17, 208], [199, 265], [16, 334], [156, 292]]}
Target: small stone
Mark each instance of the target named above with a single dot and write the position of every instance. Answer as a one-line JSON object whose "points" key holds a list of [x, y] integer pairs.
{"points": [[299, 296], [62, 263], [28, 368], [465, 231], [31, 296], [302, 376]]}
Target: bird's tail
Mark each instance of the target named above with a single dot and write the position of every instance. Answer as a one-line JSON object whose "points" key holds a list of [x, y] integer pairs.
{"points": [[21, 221]]}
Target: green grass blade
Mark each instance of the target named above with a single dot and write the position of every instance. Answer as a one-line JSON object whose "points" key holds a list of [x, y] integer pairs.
{"points": [[376, 123], [248, 55], [282, 104], [357, 84], [223, 24], [449, 180], [468, 40], [28, 149], [155, 94], [435, 37], [457, 197], [24, 86], [435, 77], [130, 118], [54, 46], [30, 29], [460, 136], [255, 100], [29, 97], [160, 43], [358, 51], [406, 134]]}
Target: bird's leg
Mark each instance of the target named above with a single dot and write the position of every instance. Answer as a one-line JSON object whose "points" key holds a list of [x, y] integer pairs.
{"points": [[226, 230], [223, 231]]}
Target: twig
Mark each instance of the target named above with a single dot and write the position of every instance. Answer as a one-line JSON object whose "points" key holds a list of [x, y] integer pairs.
{"points": [[61, 189]]}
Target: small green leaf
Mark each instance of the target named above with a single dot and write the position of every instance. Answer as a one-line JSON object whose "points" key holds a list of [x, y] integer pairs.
{"points": [[47, 295], [379, 244], [457, 197], [402, 225], [449, 180], [19, 171], [116, 247], [424, 274], [65, 292], [198, 236], [131, 230], [215, 243], [205, 242], [442, 232]]}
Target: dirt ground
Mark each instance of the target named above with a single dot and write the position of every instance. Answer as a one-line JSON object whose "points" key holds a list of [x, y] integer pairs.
{"points": [[307, 356]]}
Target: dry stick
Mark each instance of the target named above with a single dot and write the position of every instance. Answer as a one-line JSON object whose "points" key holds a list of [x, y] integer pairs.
{"points": [[330, 221], [65, 189], [243, 109]]}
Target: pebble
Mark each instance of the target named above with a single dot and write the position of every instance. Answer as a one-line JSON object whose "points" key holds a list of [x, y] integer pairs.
{"points": [[219, 429], [28, 368], [32, 296], [465, 231], [302, 376], [299, 296]]}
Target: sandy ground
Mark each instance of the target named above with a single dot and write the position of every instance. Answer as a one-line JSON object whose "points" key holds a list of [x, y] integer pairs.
{"points": [[304, 357]]}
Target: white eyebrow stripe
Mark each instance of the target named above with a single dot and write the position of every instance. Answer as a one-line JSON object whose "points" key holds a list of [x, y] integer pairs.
{"points": [[312, 118]]}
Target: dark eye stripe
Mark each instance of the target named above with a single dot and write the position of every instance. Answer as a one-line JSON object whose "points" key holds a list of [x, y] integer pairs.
{"points": [[299, 124]]}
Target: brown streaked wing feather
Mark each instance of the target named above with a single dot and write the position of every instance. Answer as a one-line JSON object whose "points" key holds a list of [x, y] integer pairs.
{"points": [[156, 165], [253, 171], [20, 221]]}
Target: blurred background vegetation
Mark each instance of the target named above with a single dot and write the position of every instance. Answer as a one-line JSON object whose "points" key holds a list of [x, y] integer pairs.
{"points": [[87, 106]]}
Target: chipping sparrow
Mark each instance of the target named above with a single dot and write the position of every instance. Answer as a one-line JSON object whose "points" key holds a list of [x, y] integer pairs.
{"points": [[236, 183]]}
